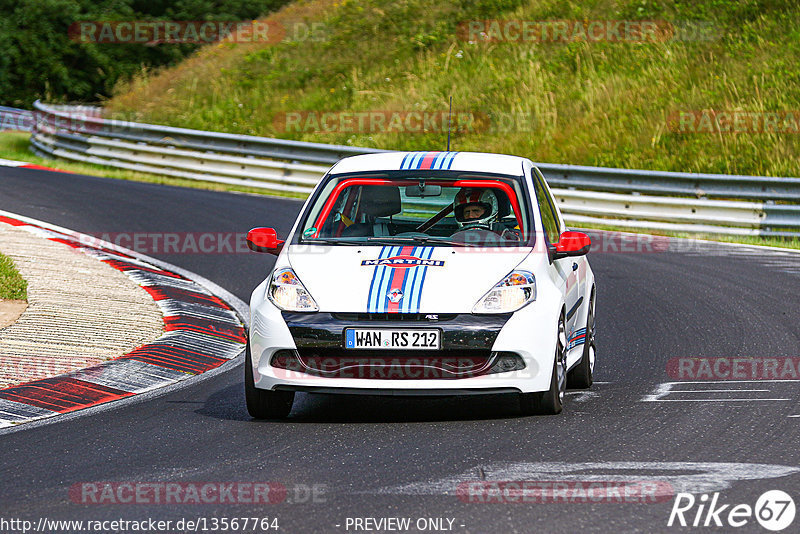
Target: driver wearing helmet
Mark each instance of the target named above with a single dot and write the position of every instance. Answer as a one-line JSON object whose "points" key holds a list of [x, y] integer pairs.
{"points": [[477, 209]]}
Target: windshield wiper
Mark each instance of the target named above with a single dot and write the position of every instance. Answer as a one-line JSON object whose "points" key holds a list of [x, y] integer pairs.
{"points": [[329, 241], [420, 240]]}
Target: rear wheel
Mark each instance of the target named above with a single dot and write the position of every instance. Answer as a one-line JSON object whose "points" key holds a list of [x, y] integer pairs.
{"points": [[550, 402], [261, 403], [581, 376]]}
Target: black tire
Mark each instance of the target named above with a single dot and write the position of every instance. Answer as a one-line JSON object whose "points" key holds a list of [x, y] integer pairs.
{"points": [[261, 403], [580, 377], [550, 402]]}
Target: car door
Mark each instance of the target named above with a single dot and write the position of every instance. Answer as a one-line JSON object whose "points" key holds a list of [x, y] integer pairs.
{"points": [[565, 271]]}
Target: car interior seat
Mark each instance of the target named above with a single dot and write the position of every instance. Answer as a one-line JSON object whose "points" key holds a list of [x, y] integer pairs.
{"points": [[377, 202]]}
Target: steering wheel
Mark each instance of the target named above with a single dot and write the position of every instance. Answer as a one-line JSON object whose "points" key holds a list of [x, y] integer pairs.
{"points": [[476, 226]]}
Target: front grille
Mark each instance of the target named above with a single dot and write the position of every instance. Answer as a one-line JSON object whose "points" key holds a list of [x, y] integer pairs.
{"points": [[394, 317], [385, 365]]}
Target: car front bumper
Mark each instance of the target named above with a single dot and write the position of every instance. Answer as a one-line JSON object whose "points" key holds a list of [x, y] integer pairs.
{"points": [[305, 352]]}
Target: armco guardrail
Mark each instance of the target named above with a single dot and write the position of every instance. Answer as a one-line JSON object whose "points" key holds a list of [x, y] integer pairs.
{"points": [[713, 203], [15, 119]]}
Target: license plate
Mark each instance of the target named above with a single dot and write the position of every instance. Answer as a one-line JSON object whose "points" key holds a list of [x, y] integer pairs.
{"points": [[388, 338]]}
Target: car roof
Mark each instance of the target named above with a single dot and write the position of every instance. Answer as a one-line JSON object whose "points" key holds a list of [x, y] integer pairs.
{"points": [[454, 161]]}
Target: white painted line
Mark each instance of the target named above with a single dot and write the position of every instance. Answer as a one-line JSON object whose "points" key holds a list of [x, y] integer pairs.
{"points": [[666, 389], [715, 390], [795, 415], [172, 308], [12, 163], [719, 400], [130, 375], [15, 412], [728, 381]]}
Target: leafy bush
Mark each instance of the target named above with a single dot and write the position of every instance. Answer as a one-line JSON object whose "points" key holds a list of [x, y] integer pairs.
{"points": [[39, 60]]}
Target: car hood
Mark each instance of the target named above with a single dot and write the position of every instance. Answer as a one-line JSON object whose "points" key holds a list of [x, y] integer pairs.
{"points": [[386, 279]]}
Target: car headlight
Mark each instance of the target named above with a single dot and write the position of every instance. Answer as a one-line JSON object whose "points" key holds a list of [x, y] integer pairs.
{"points": [[510, 294], [288, 293]]}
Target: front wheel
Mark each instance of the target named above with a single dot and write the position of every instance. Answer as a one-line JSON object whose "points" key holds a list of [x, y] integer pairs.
{"points": [[550, 402], [261, 403]]}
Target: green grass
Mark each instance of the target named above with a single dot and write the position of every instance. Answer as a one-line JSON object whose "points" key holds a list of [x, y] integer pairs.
{"points": [[12, 286], [591, 103], [601, 103], [14, 146]]}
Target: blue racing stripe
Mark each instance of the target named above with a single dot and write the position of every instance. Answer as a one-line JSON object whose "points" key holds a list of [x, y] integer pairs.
{"points": [[377, 277], [375, 301], [414, 287], [372, 283], [416, 290], [424, 275]]}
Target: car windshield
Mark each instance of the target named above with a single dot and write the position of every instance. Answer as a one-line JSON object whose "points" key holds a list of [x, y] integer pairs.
{"points": [[444, 209]]}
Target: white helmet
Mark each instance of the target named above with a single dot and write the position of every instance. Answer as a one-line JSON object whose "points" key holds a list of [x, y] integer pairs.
{"points": [[470, 196]]}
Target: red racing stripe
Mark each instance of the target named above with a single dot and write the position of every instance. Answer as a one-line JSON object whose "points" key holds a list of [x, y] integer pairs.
{"points": [[427, 161], [398, 277]]}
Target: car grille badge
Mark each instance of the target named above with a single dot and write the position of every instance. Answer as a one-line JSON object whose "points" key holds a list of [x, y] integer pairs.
{"points": [[395, 295]]}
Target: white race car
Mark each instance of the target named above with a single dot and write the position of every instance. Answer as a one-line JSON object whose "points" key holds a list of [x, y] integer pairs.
{"points": [[423, 273]]}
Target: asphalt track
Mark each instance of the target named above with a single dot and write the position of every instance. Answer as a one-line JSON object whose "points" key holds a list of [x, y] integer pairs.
{"points": [[390, 457]]}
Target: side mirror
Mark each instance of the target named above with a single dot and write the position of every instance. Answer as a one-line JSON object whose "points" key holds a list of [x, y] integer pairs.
{"points": [[264, 240], [572, 244]]}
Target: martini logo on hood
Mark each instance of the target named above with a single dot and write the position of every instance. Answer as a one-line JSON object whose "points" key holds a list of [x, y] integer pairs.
{"points": [[402, 262]]}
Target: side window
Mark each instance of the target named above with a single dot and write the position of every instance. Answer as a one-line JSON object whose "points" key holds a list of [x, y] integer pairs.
{"points": [[549, 219]]}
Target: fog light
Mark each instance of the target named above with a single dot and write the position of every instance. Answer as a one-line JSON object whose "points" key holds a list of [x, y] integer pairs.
{"points": [[286, 359], [507, 362]]}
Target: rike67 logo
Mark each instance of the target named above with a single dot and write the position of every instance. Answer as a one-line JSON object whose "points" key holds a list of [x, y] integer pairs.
{"points": [[774, 510]]}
